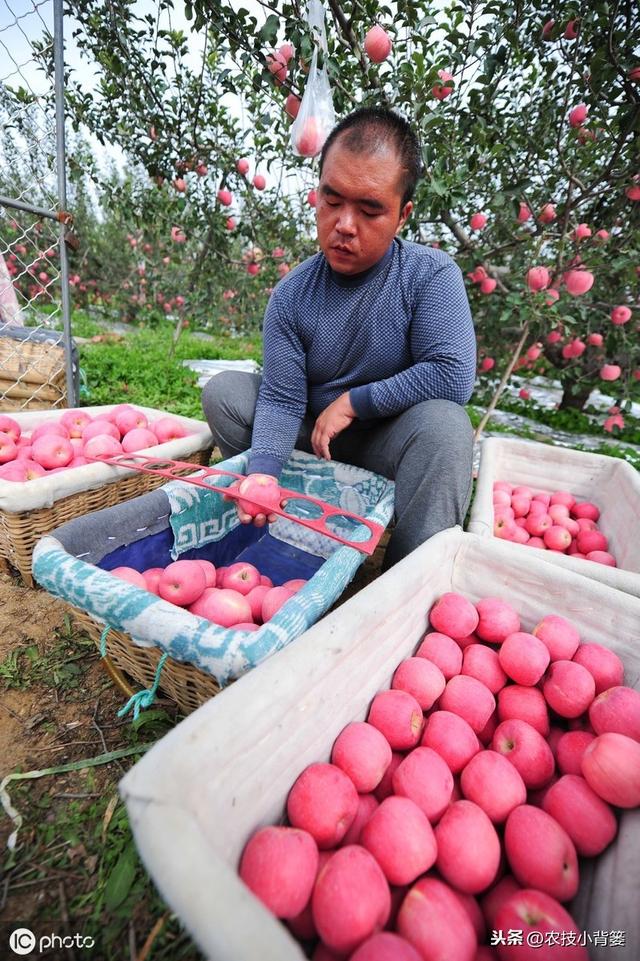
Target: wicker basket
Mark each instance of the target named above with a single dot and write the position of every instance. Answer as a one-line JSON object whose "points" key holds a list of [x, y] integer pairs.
{"points": [[185, 684], [32, 375], [20, 532]]}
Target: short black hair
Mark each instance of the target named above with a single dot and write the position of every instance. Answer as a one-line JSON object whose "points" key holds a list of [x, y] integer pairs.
{"points": [[370, 129]]}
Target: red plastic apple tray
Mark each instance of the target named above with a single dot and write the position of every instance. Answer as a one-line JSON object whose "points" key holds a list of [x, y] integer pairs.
{"points": [[172, 469]]}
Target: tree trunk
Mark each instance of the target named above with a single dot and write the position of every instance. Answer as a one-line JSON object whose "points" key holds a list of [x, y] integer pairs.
{"points": [[574, 396]]}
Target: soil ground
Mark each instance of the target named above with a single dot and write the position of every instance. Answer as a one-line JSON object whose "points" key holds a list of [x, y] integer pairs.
{"points": [[74, 869]]}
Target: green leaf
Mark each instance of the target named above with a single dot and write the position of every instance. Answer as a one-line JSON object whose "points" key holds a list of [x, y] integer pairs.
{"points": [[120, 880]]}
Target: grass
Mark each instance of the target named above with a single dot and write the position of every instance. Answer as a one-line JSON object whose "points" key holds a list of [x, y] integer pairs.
{"points": [[141, 369], [76, 857]]}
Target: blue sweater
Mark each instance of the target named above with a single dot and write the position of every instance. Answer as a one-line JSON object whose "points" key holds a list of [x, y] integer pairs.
{"points": [[396, 335]]}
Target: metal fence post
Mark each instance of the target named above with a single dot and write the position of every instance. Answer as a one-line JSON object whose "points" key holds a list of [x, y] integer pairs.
{"points": [[58, 49]]}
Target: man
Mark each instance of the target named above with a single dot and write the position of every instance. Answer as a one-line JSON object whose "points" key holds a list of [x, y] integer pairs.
{"points": [[369, 347]]}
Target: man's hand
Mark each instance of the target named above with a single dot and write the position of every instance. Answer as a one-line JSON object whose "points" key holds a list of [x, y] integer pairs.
{"points": [[260, 519], [331, 422]]}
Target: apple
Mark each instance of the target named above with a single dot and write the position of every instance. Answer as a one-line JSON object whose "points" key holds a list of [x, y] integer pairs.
{"points": [[401, 839], [279, 866], [569, 688], [152, 576], [102, 445], [51, 451], [421, 678], [617, 709], [468, 847], [350, 900], [99, 428], [385, 946], [605, 666], [491, 781], [49, 427], [377, 44], [274, 600], [470, 698], [524, 658], [75, 421], [209, 571], [309, 140], [169, 428], [130, 575], [264, 489], [528, 911], [424, 777], [11, 427], [227, 608], [8, 448], [182, 582], [140, 438], [559, 635], [242, 166], [453, 615], [452, 738], [527, 750], [363, 753], [255, 598], [398, 716], [482, 662], [497, 620], [611, 767], [442, 651], [587, 819], [540, 853], [434, 920], [241, 577], [570, 749], [324, 802]]}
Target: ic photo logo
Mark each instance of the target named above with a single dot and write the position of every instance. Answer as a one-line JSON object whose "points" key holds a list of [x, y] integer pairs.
{"points": [[22, 941]]}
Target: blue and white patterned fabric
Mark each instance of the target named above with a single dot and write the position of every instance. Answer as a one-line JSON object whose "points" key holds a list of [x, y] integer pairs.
{"points": [[199, 517]]}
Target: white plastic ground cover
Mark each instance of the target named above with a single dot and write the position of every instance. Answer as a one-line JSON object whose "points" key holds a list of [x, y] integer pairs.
{"points": [[200, 793], [611, 483], [43, 491]]}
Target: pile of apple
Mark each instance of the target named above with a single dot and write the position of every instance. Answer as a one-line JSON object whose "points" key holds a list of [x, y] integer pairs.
{"points": [[554, 521], [77, 437], [463, 802], [237, 596]]}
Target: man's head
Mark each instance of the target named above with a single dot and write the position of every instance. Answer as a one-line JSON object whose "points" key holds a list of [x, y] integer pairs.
{"points": [[369, 168]]}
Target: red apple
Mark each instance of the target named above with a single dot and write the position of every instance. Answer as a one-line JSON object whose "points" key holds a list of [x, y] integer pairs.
{"points": [[540, 853], [324, 802], [279, 866], [530, 911], [363, 753], [182, 582]]}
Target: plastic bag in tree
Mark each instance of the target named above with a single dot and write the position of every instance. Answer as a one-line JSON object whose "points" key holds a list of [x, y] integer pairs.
{"points": [[316, 116]]}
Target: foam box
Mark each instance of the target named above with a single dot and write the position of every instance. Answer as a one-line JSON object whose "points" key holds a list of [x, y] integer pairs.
{"points": [[612, 484], [198, 795]]}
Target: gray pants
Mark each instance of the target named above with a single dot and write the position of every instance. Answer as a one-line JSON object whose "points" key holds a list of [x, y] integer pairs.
{"points": [[427, 451]]}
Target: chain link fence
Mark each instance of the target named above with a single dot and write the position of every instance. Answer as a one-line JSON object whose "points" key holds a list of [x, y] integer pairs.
{"points": [[38, 364]]}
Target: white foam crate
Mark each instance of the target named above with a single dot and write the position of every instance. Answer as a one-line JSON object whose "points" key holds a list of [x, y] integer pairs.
{"points": [[611, 483], [200, 793]]}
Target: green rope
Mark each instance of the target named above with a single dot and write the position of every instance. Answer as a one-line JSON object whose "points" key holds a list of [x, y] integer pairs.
{"points": [[142, 699], [103, 641]]}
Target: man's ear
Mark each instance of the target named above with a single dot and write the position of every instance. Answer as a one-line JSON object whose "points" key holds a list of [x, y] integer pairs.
{"points": [[404, 215]]}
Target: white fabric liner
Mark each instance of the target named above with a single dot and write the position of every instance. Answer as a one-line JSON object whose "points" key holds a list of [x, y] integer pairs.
{"points": [[200, 793], [611, 483], [44, 491]]}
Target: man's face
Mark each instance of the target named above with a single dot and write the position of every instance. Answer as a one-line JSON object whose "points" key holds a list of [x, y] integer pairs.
{"points": [[358, 208]]}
